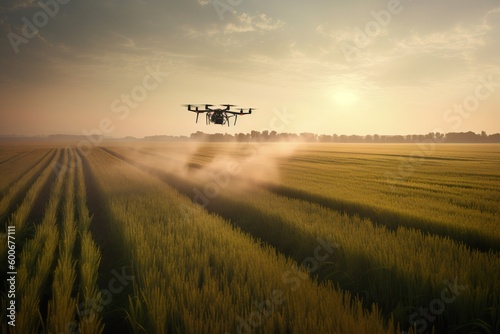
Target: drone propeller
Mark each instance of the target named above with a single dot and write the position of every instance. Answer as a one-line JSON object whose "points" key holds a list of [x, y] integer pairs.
{"points": [[193, 107], [243, 112], [228, 106]]}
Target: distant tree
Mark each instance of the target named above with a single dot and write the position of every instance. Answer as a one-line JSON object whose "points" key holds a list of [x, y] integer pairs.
{"points": [[216, 137], [255, 135], [355, 139], [308, 137], [452, 137], [395, 139], [240, 137], [494, 138], [325, 138], [462, 137], [198, 136]]}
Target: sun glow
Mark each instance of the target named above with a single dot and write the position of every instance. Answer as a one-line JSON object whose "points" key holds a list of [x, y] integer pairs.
{"points": [[344, 97]]}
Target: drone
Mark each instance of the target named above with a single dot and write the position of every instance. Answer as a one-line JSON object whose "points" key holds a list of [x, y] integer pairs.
{"points": [[219, 115]]}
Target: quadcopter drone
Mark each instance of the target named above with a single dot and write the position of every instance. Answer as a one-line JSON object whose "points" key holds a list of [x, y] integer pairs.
{"points": [[219, 115]]}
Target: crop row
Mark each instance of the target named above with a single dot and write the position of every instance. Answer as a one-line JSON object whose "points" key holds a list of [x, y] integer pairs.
{"points": [[16, 165], [447, 191], [57, 268], [401, 270], [455, 196], [36, 261], [29, 170], [193, 272], [9, 154]]}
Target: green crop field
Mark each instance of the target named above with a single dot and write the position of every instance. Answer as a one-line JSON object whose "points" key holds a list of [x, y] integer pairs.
{"points": [[149, 237]]}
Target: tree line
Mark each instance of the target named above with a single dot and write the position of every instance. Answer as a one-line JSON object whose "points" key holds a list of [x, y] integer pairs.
{"points": [[273, 136]]}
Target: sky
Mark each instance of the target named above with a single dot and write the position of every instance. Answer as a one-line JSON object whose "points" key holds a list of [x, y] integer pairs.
{"points": [[126, 67]]}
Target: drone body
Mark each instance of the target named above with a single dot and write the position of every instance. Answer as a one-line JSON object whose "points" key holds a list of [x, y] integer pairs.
{"points": [[219, 116]]}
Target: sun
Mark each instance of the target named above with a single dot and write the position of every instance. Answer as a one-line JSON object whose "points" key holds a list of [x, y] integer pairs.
{"points": [[344, 97]]}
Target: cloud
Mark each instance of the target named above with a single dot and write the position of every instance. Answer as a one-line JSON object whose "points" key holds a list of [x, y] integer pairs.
{"points": [[459, 41], [16, 5], [242, 23], [447, 57], [228, 46], [257, 23], [127, 42], [415, 55], [109, 42], [350, 34]]}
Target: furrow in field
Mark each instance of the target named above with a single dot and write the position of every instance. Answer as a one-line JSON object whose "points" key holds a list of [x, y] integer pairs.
{"points": [[208, 276], [476, 239], [21, 216], [19, 187], [62, 304], [441, 196], [475, 236], [15, 170], [36, 261], [370, 256], [13, 156], [105, 246], [35, 198], [424, 151], [236, 211], [439, 180], [89, 308]]}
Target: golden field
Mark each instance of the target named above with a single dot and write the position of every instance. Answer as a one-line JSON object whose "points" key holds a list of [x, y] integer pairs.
{"points": [[150, 237]]}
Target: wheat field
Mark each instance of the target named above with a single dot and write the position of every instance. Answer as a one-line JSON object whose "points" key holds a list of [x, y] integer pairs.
{"points": [[148, 237]]}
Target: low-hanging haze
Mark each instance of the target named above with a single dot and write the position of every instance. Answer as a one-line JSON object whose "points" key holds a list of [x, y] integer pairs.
{"points": [[346, 67]]}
